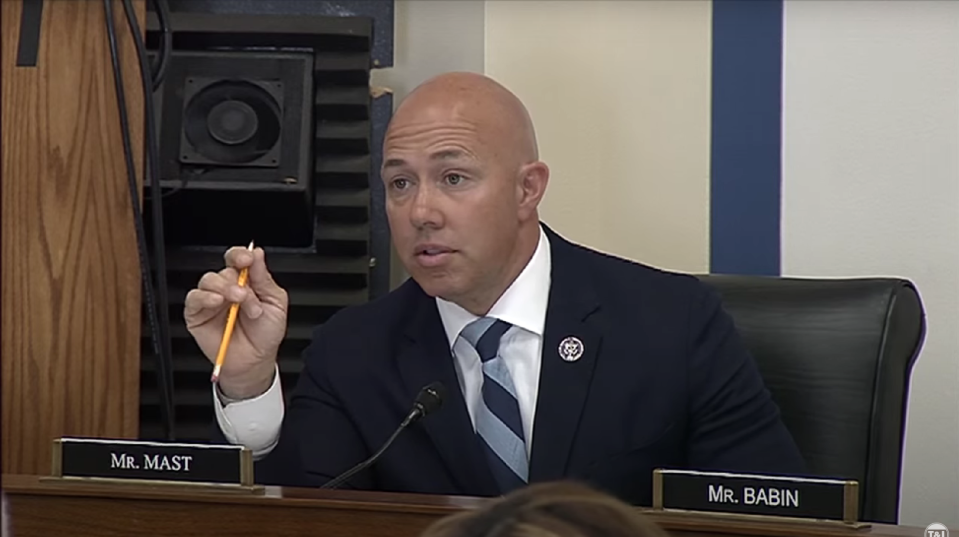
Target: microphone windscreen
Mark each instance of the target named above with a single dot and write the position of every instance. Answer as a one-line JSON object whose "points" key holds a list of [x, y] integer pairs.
{"points": [[431, 397]]}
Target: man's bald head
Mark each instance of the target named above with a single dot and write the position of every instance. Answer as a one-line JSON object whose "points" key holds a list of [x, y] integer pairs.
{"points": [[463, 182], [498, 114]]}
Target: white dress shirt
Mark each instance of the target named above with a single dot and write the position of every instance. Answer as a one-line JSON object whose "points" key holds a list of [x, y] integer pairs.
{"points": [[255, 423], [523, 305]]}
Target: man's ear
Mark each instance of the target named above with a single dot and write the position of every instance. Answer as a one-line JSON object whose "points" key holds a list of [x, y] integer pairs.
{"points": [[531, 187]]}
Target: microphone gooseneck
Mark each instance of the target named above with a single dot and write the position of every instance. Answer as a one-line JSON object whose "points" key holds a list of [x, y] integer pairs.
{"points": [[427, 401]]}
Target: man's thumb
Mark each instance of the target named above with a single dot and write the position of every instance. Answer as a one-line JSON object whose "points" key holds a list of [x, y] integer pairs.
{"points": [[260, 278]]}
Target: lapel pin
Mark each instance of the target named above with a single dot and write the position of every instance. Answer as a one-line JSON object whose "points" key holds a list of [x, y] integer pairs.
{"points": [[571, 349]]}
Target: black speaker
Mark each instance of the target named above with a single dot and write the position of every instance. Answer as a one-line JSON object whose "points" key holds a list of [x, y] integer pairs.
{"points": [[235, 136]]}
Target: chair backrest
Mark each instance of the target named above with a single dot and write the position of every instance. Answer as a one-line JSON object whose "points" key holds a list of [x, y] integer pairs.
{"points": [[837, 356]]}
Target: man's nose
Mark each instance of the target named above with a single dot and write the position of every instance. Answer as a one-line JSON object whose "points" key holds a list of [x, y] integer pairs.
{"points": [[425, 211]]}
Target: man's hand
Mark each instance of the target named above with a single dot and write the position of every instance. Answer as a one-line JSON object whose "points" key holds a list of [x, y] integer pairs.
{"points": [[261, 323]]}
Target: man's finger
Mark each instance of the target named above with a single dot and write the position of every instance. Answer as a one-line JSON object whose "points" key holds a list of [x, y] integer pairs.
{"points": [[233, 292], [224, 284], [250, 305], [204, 299], [218, 283], [230, 274], [262, 281], [198, 300], [238, 257]]}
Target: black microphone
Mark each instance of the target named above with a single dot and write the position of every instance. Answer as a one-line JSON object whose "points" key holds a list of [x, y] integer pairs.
{"points": [[428, 400]]}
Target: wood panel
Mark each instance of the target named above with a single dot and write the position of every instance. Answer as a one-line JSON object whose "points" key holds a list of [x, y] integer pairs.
{"points": [[70, 296], [91, 509]]}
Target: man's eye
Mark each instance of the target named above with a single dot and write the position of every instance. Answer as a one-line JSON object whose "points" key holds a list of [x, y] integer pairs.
{"points": [[400, 184], [454, 179]]}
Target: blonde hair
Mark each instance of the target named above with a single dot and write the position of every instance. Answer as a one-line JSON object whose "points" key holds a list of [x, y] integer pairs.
{"points": [[555, 509]]}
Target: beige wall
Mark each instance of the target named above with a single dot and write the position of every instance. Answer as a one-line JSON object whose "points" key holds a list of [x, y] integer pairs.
{"points": [[620, 94], [871, 187], [432, 37]]}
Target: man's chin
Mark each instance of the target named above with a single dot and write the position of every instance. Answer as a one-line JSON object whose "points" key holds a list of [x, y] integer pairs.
{"points": [[437, 285]]}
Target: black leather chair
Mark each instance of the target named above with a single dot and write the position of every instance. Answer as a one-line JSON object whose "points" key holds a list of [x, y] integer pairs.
{"points": [[837, 355]]}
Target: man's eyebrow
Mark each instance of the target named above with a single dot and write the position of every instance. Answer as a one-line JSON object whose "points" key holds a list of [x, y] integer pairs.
{"points": [[448, 154], [444, 154]]}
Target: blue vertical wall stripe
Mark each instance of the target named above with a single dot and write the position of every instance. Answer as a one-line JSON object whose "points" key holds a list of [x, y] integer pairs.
{"points": [[745, 173]]}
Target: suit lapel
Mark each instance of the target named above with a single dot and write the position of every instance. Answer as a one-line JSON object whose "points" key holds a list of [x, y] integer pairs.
{"points": [[564, 385], [425, 359]]}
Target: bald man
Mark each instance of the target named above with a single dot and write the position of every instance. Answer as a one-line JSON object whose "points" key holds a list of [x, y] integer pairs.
{"points": [[558, 361]]}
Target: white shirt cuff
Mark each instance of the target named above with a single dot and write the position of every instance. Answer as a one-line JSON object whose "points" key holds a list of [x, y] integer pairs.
{"points": [[253, 423]]}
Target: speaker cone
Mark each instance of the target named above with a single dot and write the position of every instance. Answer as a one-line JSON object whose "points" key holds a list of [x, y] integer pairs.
{"points": [[232, 122]]}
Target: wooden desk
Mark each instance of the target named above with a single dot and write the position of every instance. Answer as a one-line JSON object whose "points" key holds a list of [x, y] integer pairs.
{"points": [[43, 508]]}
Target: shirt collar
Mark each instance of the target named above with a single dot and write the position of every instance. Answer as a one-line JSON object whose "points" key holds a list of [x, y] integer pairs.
{"points": [[522, 305]]}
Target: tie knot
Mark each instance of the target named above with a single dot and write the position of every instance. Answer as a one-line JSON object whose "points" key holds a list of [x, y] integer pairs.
{"points": [[484, 335]]}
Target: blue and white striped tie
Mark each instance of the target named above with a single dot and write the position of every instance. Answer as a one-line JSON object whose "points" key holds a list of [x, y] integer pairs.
{"points": [[498, 422]]}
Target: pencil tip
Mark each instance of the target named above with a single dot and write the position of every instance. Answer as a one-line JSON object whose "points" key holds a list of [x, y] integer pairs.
{"points": [[250, 247]]}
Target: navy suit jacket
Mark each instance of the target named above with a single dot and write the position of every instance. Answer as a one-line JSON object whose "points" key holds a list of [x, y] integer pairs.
{"points": [[664, 381]]}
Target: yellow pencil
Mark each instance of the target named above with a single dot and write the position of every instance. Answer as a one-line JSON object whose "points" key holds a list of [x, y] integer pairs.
{"points": [[230, 323]]}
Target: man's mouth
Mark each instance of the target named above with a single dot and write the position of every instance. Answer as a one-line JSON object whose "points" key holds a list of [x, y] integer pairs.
{"points": [[434, 251], [431, 255]]}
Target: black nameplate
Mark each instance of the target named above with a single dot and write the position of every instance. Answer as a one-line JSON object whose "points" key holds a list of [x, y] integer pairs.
{"points": [[154, 461], [716, 492]]}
